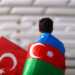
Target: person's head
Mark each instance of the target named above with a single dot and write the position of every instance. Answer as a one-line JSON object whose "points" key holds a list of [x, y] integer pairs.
{"points": [[45, 25]]}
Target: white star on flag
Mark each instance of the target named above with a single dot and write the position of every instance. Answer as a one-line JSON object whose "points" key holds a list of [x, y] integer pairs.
{"points": [[1, 71], [50, 54]]}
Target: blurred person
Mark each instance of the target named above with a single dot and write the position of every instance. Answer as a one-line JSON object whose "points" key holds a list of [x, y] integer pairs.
{"points": [[46, 55]]}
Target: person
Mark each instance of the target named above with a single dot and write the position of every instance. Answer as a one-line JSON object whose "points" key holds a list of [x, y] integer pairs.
{"points": [[46, 55]]}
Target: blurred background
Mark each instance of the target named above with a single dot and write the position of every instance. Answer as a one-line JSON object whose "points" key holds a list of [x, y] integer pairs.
{"points": [[19, 23]]}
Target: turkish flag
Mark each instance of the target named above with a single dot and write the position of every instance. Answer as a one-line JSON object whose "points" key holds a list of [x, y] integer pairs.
{"points": [[12, 58]]}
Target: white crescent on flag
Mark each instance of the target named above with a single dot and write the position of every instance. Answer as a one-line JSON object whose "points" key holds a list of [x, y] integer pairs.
{"points": [[31, 49], [10, 55]]}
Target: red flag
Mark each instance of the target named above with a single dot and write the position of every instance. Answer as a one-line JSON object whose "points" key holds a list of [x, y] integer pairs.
{"points": [[12, 58]]}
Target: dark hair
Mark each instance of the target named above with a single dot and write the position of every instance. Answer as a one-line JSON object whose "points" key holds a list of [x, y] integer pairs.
{"points": [[46, 25]]}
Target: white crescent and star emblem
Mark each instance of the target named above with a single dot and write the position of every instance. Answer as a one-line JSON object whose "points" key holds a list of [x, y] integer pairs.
{"points": [[49, 53], [12, 57], [31, 49]]}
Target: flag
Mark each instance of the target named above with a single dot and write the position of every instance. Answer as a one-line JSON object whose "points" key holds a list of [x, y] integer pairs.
{"points": [[12, 58], [45, 58]]}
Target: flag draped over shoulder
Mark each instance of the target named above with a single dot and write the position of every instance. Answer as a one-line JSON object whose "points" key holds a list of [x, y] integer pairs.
{"points": [[12, 58], [45, 57]]}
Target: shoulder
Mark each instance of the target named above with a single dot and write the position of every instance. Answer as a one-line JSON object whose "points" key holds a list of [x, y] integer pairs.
{"points": [[62, 47], [59, 45]]}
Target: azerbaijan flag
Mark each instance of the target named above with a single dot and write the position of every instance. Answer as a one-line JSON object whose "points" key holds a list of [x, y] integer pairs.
{"points": [[43, 59]]}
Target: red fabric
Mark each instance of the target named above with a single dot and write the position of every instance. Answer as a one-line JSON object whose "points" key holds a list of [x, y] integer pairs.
{"points": [[41, 51], [8, 49]]}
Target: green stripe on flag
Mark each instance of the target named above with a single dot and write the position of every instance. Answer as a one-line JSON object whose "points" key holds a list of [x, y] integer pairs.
{"points": [[38, 67]]}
